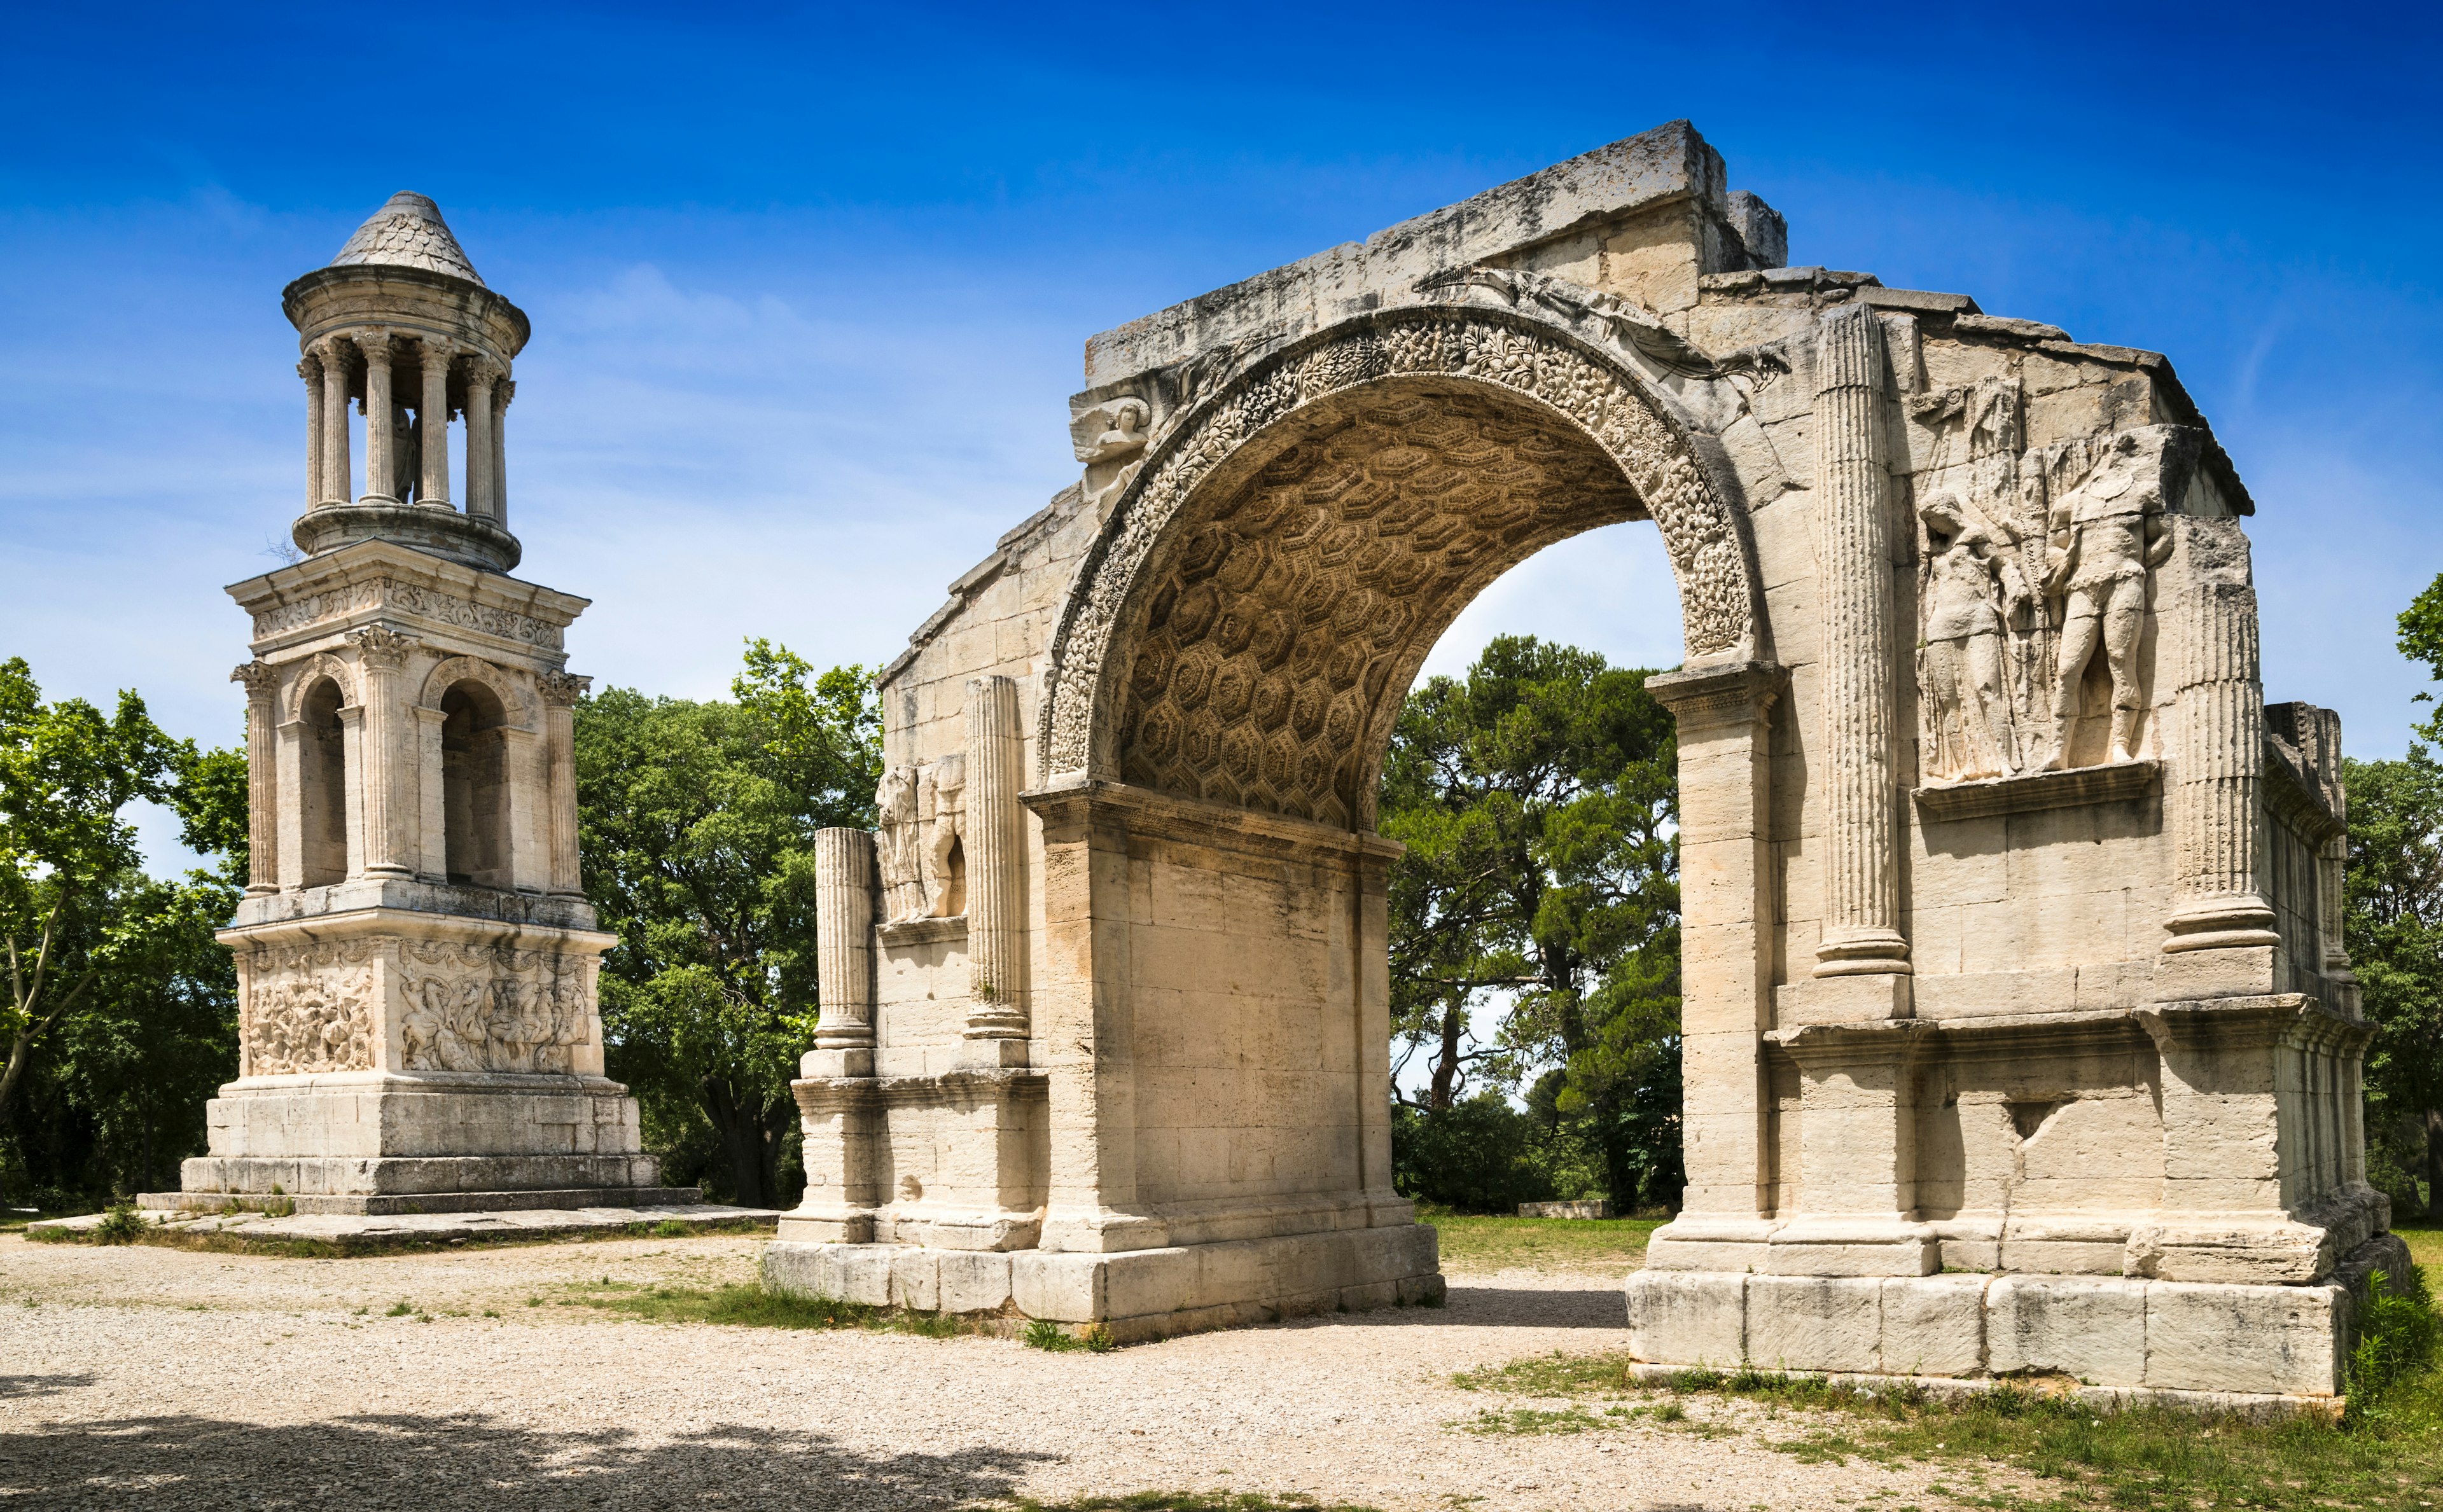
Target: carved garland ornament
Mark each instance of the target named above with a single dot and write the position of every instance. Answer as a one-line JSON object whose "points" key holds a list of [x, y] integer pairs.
{"points": [[1708, 554]]}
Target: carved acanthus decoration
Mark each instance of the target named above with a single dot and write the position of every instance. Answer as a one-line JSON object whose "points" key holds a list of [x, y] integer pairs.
{"points": [[480, 1007], [309, 1009], [261, 680], [561, 690], [917, 847], [1468, 482], [2032, 575], [381, 647]]}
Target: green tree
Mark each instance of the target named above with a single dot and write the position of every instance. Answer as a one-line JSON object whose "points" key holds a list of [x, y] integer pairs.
{"points": [[123, 1007], [1538, 800], [2393, 928], [697, 821]]}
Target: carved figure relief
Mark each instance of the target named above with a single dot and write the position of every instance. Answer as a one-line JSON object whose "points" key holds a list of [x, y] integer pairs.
{"points": [[917, 847], [2031, 564], [492, 1009], [308, 1009]]}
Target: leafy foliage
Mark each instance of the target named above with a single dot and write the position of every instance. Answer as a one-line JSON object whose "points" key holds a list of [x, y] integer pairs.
{"points": [[1538, 800], [697, 824], [121, 1018], [2393, 928]]}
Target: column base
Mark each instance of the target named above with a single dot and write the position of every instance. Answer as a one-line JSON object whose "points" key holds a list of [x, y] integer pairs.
{"points": [[1867, 1245]]}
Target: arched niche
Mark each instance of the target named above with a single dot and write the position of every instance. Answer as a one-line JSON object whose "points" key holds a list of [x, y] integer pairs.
{"points": [[322, 774], [1246, 624]]}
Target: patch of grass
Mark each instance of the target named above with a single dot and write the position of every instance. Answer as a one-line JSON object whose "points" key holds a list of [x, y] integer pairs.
{"points": [[1478, 1241], [1043, 1333], [1190, 1502], [746, 1304], [398, 1310], [1535, 1420], [2387, 1456]]}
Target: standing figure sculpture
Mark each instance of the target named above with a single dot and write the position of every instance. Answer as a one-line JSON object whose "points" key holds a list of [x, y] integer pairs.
{"points": [[896, 845], [2104, 538], [1964, 643]]}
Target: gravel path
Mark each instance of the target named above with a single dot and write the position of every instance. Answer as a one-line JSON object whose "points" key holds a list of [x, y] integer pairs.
{"points": [[179, 1379]]}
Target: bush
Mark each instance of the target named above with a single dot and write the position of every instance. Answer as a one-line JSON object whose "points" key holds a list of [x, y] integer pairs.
{"points": [[1474, 1156], [121, 1225]]}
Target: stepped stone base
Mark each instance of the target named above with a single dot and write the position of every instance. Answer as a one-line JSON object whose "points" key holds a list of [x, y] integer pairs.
{"points": [[2156, 1337], [373, 1234], [411, 1176], [1139, 1294], [392, 1204]]}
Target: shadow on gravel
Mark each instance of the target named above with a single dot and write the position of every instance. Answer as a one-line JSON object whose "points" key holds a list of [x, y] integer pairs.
{"points": [[1491, 1307], [475, 1461], [41, 1385]]}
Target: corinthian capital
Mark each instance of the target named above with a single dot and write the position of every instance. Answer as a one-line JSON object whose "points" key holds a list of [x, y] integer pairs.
{"points": [[562, 689], [481, 371], [261, 679], [337, 355], [378, 346], [381, 647], [309, 367]]}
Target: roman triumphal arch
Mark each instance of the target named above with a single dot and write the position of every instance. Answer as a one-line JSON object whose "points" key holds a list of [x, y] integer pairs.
{"points": [[2018, 1032]]}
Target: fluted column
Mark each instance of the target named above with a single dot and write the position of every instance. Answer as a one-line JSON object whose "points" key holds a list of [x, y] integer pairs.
{"points": [[2217, 798], [261, 775], [994, 836], [560, 691], [339, 481], [311, 369], [387, 752], [381, 465], [1854, 589], [433, 417], [502, 393], [482, 448], [844, 947]]}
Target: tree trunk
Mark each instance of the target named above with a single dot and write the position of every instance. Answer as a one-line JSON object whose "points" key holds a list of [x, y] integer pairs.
{"points": [[2433, 1162], [20, 1052], [1442, 1092], [741, 1140]]}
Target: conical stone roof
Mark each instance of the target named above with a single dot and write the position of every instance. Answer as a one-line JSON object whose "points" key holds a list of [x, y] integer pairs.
{"points": [[409, 232]]}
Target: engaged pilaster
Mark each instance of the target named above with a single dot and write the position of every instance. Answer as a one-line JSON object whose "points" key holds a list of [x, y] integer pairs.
{"points": [[261, 682], [1862, 823], [388, 751], [843, 953], [995, 839], [560, 691], [2222, 938]]}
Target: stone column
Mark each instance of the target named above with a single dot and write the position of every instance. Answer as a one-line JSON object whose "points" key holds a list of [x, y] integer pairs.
{"points": [[502, 394], [288, 788], [261, 682], [432, 415], [2222, 938], [1724, 717], [528, 783], [311, 369], [843, 953], [481, 450], [1853, 556], [560, 691], [994, 838], [386, 752], [381, 466], [339, 478]]}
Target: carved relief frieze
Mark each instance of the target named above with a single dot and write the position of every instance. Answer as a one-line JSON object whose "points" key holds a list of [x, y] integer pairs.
{"points": [[407, 598], [2033, 588], [309, 1009], [917, 847], [486, 1008]]}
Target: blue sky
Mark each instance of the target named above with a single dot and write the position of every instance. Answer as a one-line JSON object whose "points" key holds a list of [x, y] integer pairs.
{"points": [[809, 287]]}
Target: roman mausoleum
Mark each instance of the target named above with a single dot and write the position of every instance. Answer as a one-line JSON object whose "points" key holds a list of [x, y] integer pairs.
{"points": [[416, 964], [2019, 1036]]}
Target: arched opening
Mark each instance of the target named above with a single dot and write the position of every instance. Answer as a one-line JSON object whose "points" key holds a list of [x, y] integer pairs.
{"points": [[1298, 597], [475, 785], [323, 781]]}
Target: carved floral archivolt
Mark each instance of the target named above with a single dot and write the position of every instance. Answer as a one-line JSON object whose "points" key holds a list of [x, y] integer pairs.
{"points": [[1583, 403]]}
